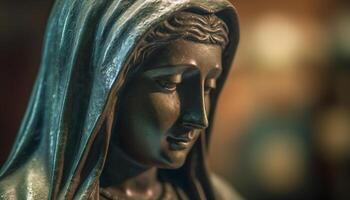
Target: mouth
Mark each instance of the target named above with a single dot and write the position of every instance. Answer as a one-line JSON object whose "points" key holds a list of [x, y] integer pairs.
{"points": [[181, 142]]}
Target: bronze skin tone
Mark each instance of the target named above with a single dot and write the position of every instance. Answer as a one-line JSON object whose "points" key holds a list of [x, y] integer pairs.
{"points": [[162, 113], [120, 107]]}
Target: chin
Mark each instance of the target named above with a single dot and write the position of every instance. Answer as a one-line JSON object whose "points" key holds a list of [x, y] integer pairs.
{"points": [[173, 160]]}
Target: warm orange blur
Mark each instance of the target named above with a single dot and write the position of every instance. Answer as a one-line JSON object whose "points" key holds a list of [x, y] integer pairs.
{"points": [[282, 128]]}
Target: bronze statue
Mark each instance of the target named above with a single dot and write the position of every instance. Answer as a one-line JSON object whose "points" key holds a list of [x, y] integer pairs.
{"points": [[122, 105]]}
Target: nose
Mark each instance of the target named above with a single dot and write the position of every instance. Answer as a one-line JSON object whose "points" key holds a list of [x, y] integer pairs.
{"points": [[196, 115], [193, 122]]}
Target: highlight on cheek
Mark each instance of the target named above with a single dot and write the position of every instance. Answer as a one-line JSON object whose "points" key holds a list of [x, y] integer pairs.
{"points": [[210, 85]]}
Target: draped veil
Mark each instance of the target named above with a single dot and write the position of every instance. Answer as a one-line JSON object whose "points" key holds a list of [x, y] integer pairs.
{"points": [[62, 143]]}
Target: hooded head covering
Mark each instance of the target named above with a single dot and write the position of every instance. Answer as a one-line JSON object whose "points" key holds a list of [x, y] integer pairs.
{"points": [[62, 143]]}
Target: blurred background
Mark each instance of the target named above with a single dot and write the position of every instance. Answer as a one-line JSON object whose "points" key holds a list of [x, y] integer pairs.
{"points": [[282, 128]]}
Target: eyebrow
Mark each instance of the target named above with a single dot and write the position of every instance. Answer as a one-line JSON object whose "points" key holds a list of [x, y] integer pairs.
{"points": [[167, 70]]}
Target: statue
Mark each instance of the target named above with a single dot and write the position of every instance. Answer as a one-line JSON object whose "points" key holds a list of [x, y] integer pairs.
{"points": [[123, 101]]}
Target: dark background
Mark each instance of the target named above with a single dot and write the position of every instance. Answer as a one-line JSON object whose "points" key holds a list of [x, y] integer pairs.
{"points": [[282, 129]]}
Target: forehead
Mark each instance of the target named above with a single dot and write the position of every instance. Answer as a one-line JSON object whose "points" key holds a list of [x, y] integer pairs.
{"points": [[183, 52]]}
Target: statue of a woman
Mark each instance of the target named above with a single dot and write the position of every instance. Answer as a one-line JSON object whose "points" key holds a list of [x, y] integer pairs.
{"points": [[123, 102]]}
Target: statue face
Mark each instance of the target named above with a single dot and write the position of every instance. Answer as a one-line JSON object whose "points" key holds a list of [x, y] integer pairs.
{"points": [[164, 107]]}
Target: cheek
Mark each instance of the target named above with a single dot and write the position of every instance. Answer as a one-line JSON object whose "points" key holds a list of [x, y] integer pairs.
{"points": [[165, 109]]}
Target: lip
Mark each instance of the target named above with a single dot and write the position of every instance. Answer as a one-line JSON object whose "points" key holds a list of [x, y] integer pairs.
{"points": [[179, 142]]}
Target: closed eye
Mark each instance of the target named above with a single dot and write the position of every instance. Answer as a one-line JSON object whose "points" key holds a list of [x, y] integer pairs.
{"points": [[169, 83]]}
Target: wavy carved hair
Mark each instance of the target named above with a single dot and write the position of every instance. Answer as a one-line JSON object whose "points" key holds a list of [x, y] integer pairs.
{"points": [[207, 29]]}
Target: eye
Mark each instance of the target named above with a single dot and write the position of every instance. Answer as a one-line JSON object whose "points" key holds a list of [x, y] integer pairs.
{"points": [[209, 86], [169, 83]]}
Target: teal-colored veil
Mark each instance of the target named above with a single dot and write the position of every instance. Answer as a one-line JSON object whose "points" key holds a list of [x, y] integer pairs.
{"points": [[62, 143]]}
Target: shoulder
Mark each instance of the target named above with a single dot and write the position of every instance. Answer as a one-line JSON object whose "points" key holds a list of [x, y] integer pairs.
{"points": [[223, 190], [7, 189], [24, 183]]}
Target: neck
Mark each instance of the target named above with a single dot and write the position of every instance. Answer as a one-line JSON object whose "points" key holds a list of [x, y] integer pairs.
{"points": [[124, 175]]}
